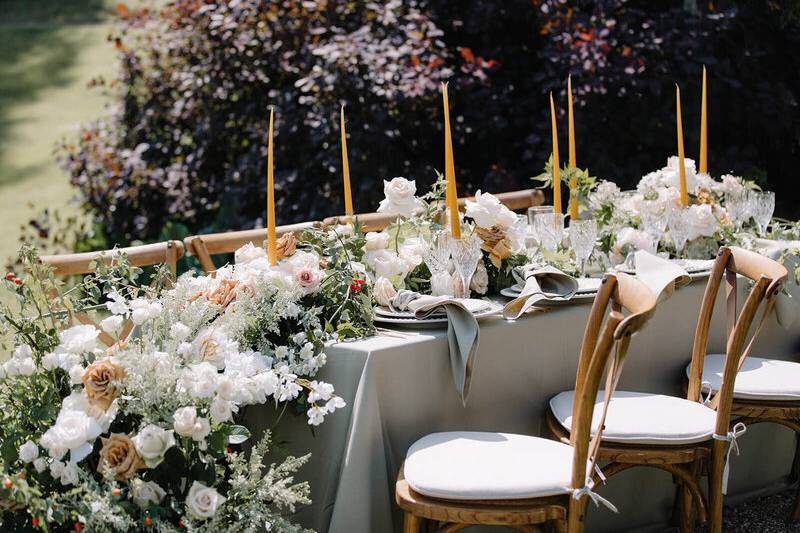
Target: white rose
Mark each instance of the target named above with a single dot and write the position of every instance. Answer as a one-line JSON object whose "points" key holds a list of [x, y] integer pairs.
{"points": [[671, 173], [320, 391], [143, 310], [385, 263], [152, 442], [442, 284], [179, 331], [76, 373], [630, 237], [23, 351], [68, 475], [201, 429], [376, 240], [487, 211], [411, 252], [701, 221], [248, 253], [28, 452], [184, 420], [146, 493], [220, 410], [480, 279], [78, 339], [202, 501], [400, 199], [50, 361], [26, 367], [40, 464], [74, 431], [383, 291], [112, 324], [200, 380]]}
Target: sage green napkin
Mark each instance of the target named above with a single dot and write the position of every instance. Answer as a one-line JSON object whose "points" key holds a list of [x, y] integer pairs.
{"points": [[463, 333], [540, 282]]}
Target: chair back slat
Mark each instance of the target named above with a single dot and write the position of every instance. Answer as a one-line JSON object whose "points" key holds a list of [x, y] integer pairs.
{"points": [[141, 256], [230, 241], [768, 277], [606, 338], [514, 200]]}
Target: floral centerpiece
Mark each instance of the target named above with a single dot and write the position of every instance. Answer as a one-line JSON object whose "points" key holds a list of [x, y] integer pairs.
{"points": [[145, 432]]}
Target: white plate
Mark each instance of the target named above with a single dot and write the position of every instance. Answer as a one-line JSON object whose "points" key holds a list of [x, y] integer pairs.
{"points": [[471, 304], [491, 308]]}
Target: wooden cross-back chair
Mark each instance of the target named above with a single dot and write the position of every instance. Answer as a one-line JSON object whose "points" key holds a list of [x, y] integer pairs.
{"points": [[453, 480], [674, 434], [716, 374], [203, 247], [514, 200], [140, 256]]}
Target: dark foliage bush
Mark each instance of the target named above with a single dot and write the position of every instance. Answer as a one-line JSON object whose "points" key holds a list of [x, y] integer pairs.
{"points": [[186, 141]]}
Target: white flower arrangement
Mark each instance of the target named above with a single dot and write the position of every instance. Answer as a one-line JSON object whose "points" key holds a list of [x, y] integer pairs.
{"points": [[153, 419]]}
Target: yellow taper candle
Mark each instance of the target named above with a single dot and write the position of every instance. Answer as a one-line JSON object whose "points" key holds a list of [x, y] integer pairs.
{"points": [[348, 198], [704, 130], [450, 170], [272, 252], [573, 181], [681, 164], [556, 165]]}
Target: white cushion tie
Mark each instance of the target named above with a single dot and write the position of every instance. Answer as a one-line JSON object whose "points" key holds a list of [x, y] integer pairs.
{"points": [[600, 473], [737, 431], [586, 490], [707, 385]]}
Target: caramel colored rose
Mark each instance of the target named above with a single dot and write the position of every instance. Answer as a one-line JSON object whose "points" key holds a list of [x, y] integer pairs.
{"points": [[118, 455], [99, 382], [705, 197], [286, 245], [225, 294], [494, 243]]}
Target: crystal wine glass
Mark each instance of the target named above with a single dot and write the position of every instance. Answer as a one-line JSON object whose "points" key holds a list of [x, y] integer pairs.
{"points": [[466, 253], [763, 208], [549, 229], [654, 218], [736, 205], [436, 251], [582, 237], [678, 228]]}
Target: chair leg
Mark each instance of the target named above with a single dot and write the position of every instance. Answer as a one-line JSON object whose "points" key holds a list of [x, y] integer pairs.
{"points": [[412, 523], [686, 502], [576, 515], [716, 468]]}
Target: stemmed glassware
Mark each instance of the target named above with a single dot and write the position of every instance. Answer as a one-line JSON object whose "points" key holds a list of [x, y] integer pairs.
{"points": [[738, 204], [549, 229], [677, 221], [436, 252], [654, 219], [466, 252], [763, 208], [582, 237]]}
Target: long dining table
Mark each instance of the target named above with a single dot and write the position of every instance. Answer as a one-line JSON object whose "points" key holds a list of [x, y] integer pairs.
{"points": [[398, 387]]}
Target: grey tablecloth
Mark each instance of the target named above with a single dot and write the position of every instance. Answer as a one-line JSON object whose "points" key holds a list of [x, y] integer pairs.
{"points": [[399, 389]]}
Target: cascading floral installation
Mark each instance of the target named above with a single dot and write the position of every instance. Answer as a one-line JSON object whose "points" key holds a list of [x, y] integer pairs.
{"points": [[145, 431]]}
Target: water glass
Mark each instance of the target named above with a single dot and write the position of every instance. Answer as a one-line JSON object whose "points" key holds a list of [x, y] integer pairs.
{"points": [[549, 228], [582, 237], [466, 253], [763, 208], [538, 210], [677, 221], [737, 204]]}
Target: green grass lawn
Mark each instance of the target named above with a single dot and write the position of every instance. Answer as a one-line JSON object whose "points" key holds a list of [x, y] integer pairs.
{"points": [[49, 50]]}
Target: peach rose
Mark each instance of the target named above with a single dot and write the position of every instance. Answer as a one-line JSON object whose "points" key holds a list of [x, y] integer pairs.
{"points": [[99, 382], [286, 245], [118, 454], [225, 294]]}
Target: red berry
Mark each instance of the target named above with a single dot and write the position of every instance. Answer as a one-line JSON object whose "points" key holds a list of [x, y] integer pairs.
{"points": [[148, 521], [78, 526], [18, 281], [10, 276], [35, 522], [180, 524], [7, 483], [229, 450]]}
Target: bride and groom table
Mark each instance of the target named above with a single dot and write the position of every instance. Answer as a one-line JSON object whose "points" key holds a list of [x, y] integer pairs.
{"points": [[399, 387]]}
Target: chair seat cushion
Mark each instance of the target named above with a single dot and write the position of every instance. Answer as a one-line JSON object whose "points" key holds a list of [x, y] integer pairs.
{"points": [[468, 465], [643, 418], [758, 379]]}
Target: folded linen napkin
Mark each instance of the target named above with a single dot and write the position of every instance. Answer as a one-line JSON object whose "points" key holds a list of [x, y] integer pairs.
{"points": [[660, 275], [541, 282], [463, 333], [787, 304]]}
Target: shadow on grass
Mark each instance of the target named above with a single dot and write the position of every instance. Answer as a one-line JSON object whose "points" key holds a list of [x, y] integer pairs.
{"points": [[39, 51]]}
